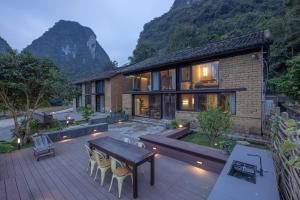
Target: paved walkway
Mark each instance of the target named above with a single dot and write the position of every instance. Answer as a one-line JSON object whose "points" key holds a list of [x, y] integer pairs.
{"points": [[5, 129]]}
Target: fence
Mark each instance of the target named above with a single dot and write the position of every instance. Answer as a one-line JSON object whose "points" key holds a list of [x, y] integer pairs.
{"points": [[286, 148]]}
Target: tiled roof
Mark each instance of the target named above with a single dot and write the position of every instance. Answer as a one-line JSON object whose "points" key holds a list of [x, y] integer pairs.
{"points": [[231, 45], [101, 75]]}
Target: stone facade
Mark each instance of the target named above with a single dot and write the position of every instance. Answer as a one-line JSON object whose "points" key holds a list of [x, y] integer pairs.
{"points": [[242, 71], [127, 104]]}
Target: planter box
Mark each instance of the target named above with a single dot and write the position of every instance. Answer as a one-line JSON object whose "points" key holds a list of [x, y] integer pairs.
{"points": [[77, 131]]}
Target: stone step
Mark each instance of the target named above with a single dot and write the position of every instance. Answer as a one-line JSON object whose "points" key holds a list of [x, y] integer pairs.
{"points": [[157, 122]]}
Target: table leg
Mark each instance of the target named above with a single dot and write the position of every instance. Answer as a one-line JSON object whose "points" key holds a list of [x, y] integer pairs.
{"points": [[135, 182], [152, 171]]}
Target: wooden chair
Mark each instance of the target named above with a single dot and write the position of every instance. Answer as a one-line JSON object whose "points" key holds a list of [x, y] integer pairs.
{"points": [[92, 160], [103, 164], [43, 146], [120, 172]]}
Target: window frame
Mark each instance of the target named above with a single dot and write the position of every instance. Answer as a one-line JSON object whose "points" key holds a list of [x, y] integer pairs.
{"points": [[103, 87], [160, 84]]}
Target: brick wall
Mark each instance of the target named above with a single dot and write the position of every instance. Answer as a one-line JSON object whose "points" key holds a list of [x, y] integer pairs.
{"points": [[127, 103], [243, 71], [119, 85], [107, 94]]}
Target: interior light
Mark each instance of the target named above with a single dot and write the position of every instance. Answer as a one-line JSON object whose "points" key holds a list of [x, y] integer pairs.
{"points": [[205, 71], [193, 101], [185, 102], [199, 162]]}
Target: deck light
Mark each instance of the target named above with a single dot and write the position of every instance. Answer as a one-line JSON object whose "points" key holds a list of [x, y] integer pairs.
{"points": [[216, 144], [19, 143], [199, 162], [95, 130], [154, 148], [180, 126], [65, 137]]}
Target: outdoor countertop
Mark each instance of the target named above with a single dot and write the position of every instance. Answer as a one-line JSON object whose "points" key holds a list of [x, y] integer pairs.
{"points": [[232, 188]]}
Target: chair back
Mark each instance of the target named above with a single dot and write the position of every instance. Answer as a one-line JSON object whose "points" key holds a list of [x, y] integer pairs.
{"points": [[115, 163], [41, 140], [141, 145], [127, 140], [89, 151], [98, 156]]}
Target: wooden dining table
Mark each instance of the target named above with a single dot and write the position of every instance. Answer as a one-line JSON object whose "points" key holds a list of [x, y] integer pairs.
{"points": [[130, 154]]}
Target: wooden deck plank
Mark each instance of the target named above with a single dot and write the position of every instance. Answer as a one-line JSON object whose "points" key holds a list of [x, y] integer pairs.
{"points": [[65, 177], [2, 190], [32, 184], [22, 184], [11, 188]]}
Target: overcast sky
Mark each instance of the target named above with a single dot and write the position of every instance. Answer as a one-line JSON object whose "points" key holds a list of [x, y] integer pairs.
{"points": [[117, 23]]}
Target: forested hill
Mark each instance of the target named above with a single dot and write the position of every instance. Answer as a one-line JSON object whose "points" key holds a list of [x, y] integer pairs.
{"points": [[4, 46], [190, 23], [73, 48]]}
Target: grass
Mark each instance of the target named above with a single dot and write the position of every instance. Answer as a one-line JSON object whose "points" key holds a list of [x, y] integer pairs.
{"points": [[7, 147], [202, 139]]}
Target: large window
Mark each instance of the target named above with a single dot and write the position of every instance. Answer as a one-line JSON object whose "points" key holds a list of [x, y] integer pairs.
{"points": [[141, 105], [100, 87], [207, 100], [88, 88], [199, 76], [155, 80], [227, 103], [100, 106], [201, 102], [187, 102], [168, 79], [142, 82]]}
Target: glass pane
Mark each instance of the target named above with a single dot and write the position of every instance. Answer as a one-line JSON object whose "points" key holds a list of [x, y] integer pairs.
{"points": [[168, 79], [232, 103], [185, 78], [228, 103], [187, 102], [141, 105], [78, 101], [155, 105], [155, 80], [88, 100], [88, 88], [100, 87], [207, 100], [145, 82], [204, 75]]}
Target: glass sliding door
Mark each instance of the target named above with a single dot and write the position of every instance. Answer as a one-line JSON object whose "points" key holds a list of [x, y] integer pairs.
{"points": [[100, 106], [155, 106], [141, 105], [169, 106]]}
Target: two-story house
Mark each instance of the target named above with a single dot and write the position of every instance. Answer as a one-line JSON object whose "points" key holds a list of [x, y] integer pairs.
{"points": [[227, 74], [103, 91]]}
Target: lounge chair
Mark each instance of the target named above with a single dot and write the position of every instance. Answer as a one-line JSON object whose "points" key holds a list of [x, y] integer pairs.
{"points": [[43, 146], [92, 160], [103, 164], [120, 172]]}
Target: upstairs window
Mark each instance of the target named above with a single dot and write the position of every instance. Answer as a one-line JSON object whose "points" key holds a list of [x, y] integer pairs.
{"points": [[155, 80], [185, 78], [205, 75], [142, 82], [168, 79], [100, 87], [88, 88]]}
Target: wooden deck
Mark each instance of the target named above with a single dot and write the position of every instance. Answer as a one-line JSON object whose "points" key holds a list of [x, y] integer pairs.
{"points": [[65, 177]]}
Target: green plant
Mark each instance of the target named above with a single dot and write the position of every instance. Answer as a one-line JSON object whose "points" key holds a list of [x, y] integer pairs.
{"points": [[6, 148], [295, 162], [288, 146], [291, 130], [290, 123], [174, 123], [56, 125], [86, 111], [226, 145], [34, 125], [275, 124], [214, 123]]}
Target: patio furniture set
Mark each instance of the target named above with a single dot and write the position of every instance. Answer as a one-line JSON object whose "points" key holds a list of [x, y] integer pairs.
{"points": [[121, 157]]}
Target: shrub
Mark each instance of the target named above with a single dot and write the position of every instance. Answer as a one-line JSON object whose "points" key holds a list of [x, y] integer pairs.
{"points": [[34, 125], [214, 123], [226, 146], [5, 148], [86, 111]]}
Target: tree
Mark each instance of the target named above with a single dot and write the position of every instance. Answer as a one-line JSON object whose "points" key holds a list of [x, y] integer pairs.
{"points": [[26, 82], [142, 52], [213, 122]]}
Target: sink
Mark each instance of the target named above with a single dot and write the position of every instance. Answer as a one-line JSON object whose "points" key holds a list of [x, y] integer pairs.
{"points": [[243, 171]]}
